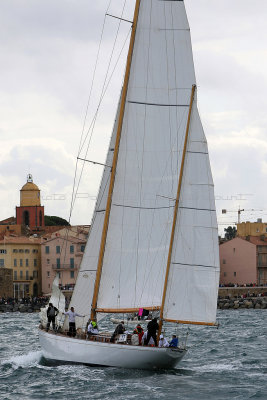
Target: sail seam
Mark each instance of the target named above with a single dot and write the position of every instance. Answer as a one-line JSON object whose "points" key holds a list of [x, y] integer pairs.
{"points": [[199, 209], [195, 265], [198, 152], [159, 105], [143, 208]]}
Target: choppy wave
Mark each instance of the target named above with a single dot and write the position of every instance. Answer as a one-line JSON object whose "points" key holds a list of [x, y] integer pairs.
{"points": [[229, 363]]}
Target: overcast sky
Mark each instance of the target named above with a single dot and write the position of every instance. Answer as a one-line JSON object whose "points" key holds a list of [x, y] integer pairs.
{"points": [[48, 51]]}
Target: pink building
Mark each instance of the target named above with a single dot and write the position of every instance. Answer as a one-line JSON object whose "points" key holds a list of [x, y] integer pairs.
{"points": [[244, 261], [61, 252]]}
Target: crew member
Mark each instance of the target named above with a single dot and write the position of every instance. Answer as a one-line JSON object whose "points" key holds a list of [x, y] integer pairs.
{"points": [[92, 329], [51, 313], [163, 342], [72, 314], [118, 331], [152, 328], [174, 341]]}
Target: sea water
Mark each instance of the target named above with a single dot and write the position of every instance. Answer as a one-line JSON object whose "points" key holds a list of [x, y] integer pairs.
{"points": [[225, 363]]}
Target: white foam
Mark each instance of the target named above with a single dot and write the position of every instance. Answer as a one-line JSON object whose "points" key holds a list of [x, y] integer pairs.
{"points": [[33, 357], [217, 367]]}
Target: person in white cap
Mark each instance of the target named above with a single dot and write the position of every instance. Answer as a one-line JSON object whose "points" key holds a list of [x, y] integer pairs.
{"points": [[163, 342]]}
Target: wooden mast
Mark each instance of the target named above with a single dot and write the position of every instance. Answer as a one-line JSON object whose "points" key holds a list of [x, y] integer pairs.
{"points": [[176, 209], [114, 163]]}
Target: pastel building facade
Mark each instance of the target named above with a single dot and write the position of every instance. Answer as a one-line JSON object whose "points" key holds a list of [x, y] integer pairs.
{"points": [[23, 256], [243, 261], [61, 253]]}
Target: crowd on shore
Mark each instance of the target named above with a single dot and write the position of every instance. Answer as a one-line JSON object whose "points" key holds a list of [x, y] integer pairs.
{"points": [[237, 285], [33, 301]]}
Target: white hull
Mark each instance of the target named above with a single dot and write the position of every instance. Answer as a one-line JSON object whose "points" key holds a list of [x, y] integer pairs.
{"points": [[66, 349]]}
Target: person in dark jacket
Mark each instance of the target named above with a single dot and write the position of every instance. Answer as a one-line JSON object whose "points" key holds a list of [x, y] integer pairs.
{"points": [[118, 331], [51, 313], [152, 328]]}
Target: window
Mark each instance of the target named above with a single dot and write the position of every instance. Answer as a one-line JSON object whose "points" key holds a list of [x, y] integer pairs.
{"points": [[27, 262], [234, 273], [35, 262], [234, 249], [48, 274], [2, 262], [72, 274], [21, 274], [15, 250], [224, 261], [15, 262], [21, 251], [82, 248], [71, 249], [47, 249], [27, 275], [58, 262], [35, 251], [2, 251], [21, 262], [58, 249], [47, 261], [265, 229], [35, 274], [27, 250], [72, 262], [48, 285], [224, 274], [15, 275], [257, 230]]}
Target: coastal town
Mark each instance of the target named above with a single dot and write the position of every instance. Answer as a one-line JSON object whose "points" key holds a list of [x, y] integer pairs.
{"points": [[34, 248]]}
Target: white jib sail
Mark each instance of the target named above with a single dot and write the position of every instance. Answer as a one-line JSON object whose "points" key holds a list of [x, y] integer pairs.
{"points": [[83, 292], [192, 288], [152, 139], [58, 300]]}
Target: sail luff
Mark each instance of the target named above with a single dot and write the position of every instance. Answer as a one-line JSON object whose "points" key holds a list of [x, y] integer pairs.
{"points": [[114, 163], [176, 209]]}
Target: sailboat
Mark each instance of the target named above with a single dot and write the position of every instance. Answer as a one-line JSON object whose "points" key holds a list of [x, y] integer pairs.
{"points": [[153, 242]]}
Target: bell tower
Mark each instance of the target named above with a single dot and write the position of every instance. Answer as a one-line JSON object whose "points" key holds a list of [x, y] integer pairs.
{"points": [[30, 213]]}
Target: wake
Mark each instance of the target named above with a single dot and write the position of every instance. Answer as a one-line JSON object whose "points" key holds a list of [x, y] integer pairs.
{"points": [[24, 360]]}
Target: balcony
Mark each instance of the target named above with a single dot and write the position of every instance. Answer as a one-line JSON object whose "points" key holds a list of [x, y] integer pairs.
{"points": [[64, 267]]}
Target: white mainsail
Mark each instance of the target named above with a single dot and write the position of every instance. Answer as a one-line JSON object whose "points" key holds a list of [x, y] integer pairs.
{"points": [[147, 173]]}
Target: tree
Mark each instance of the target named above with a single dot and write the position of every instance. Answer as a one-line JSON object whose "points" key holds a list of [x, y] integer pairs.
{"points": [[53, 220], [230, 232]]}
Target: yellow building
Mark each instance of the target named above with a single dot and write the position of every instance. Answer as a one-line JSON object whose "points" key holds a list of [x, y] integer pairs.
{"points": [[258, 228], [23, 255]]}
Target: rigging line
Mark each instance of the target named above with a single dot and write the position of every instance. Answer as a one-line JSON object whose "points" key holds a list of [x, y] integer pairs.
{"points": [[95, 116], [94, 162], [86, 112], [106, 76], [122, 19]]}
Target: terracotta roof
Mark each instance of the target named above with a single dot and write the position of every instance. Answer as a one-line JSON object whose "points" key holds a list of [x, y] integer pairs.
{"points": [[20, 240], [255, 240]]}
